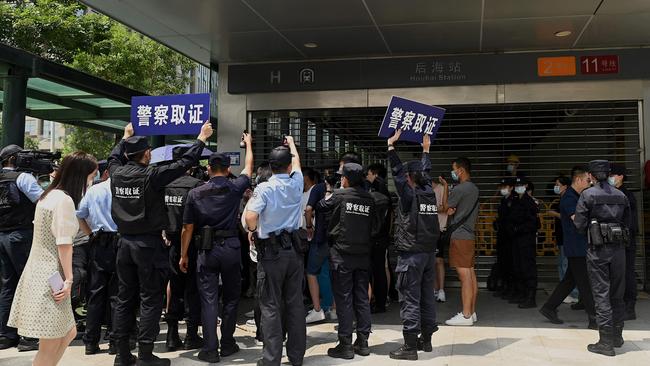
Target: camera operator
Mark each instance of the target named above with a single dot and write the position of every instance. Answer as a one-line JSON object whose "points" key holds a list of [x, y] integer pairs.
{"points": [[19, 192]]}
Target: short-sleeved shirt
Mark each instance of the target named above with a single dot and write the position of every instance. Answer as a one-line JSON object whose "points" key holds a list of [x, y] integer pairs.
{"points": [[463, 198], [95, 208], [216, 203], [27, 184], [278, 203], [64, 221], [320, 230], [439, 190], [575, 244]]}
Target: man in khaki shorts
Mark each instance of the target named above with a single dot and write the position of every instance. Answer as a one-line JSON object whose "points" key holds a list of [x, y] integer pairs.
{"points": [[462, 208]]}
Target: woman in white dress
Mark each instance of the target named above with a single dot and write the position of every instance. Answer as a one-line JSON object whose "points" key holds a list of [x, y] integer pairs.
{"points": [[37, 310]]}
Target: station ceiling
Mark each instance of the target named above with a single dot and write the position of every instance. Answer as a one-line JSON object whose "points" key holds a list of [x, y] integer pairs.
{"points": [[242, 31]]}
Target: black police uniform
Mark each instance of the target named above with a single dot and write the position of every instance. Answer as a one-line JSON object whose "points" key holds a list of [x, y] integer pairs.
{"points": [[603, 213], [416, 234], [183, 288], [138, 209], [353, 220], [521, 226], [383, 206], [16, 231], [505, 271], [213, 210]]}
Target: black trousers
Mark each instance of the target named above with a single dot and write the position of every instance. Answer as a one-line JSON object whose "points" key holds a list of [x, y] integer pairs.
{"points": [[524, 257], [505, 262], [142, 270], [183, 287], [606, 268], [416, 275], [351, 295], [379, 279], [14, 251], [630, 275], [102, 289], [80, 269], [576, 275], [224, 260], [280, 279]]}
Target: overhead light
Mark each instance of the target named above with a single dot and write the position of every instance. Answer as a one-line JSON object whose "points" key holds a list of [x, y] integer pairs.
{"points": [[563, 33], [311, 45]]}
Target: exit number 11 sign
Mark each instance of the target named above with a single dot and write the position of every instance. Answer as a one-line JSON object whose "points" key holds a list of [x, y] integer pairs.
{"points": [[607, 64]]}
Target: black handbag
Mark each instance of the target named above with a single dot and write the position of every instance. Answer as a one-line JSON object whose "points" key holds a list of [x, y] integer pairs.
{"points": [[445, 236]]}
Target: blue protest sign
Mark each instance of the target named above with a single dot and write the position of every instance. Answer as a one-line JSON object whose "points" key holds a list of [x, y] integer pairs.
{"points": [[182, 114], [414, 118]]}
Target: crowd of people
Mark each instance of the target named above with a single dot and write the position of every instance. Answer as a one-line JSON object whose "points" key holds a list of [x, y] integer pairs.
{"points": [[176, 237]]}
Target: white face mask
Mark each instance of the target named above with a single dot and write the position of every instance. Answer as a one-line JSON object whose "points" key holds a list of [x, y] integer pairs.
{"points": [[612, 181], [520, 189], [505, 191], [510, 168], [557, 190]]}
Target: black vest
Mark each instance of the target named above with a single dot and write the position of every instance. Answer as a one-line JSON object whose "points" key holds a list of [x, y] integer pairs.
{"points": [[382, 209], [175, 197], [16, 209], [136, 208], [417, 230], [352, 221]]}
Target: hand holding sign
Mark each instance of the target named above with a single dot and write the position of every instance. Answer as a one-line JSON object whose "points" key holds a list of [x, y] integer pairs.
{"points": [[206, 132], [426, 143], [413, 118], [391, 140], [128, 131]]}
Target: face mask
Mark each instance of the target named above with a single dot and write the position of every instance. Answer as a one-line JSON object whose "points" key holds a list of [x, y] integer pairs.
{"points": [[520, 189], [44, 184], [454, 176], [505, 191], [612, 181], [556, 189], [510, 168]]}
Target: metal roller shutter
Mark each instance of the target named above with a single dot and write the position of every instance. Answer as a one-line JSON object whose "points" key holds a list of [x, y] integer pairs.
{"points": [[548, 138]]}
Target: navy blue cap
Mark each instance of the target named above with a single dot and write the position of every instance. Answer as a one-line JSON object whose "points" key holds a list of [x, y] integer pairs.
{"points": [[521, 181], [508, 181], [353, 172], [599, 166], [281, 155], [414, 166], [618, 169], [219, 160], [136, 144], [9, 151]]}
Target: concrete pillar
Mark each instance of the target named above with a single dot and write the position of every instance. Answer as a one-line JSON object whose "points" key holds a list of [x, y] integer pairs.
{"points": [[14, 105]]}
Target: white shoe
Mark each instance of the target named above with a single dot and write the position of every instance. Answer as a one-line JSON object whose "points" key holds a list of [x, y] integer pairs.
{"points": [[250, 322], [250, 314], [218, 321], [460, 320], [570, 300], [314, 316], [474, 318], [331, 314], [441, 296], [258, 342]]}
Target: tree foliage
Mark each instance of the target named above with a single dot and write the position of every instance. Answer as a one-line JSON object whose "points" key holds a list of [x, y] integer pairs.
{"points": [[65, 31]]}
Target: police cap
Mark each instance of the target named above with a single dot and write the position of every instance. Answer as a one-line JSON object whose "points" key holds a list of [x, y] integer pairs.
{"points": [[599, 166], [508, 181], [414, 166], [353, 172], [9, 151], [220, 160], [178, 152], [618, 169], [520, 181], [281, 155], [136, 144]]}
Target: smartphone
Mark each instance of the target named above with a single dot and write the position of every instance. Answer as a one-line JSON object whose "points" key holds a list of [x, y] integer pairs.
{"points": [[242, 144], [56, 282]]}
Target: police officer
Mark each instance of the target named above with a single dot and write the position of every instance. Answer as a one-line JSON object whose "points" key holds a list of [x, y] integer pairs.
{"points": [[183, 288], [617, 179], [273, 219], [19, 192], [521, 225], [603, 213], [504, 246], [211, 215], [142, 259], [416, 234], [353, 225]]}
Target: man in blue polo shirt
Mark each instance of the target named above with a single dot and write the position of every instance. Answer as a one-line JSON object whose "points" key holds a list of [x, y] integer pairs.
{"points": [[575, 249]]}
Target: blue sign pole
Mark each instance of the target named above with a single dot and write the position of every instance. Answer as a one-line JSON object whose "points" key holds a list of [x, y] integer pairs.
{"points": [[182, 114], [413, 118]]}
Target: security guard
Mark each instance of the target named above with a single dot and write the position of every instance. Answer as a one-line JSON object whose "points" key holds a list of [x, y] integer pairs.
{"points": [[521, 226], [353, 224], [183, 288], [603, 213], [19, 192], [504, 245], [273, 219], [617, 179], [142, 259], [416, 234], [94, 214], [211, 216]]}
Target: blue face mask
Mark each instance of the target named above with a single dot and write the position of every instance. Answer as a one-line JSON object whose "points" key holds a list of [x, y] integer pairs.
{"points": [[612, 181], [556, 189], [454, 176]]}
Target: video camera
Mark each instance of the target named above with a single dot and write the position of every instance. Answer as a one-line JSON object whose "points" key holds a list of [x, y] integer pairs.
{"points": [[37, 162]]}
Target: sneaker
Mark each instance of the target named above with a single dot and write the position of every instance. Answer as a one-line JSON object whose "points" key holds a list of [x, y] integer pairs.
{"points": [[440, 297], [259, 342], [314, 316], [251, 323], [331, 315], [474, 317], [460, 320], [27, 344], [218, 321], [250, 314], [570, 300]]}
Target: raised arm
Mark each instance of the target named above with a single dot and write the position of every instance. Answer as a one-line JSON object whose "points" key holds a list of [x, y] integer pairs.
{"points": [[118, 154], [248, 164], [295, 160]]}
